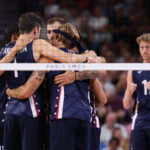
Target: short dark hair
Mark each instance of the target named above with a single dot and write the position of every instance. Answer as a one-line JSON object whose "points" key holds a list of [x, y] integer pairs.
{"points": [[9, 31], [56, 19], [28, 21]]}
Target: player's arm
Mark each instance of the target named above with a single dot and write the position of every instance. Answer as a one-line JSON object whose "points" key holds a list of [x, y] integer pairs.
{"points": [[83, 75], [46, 49], [8, 58], [69, 77], [20, 44], [28, 89], [92, 74], [98, 91], [32, 84], [131, 87]]}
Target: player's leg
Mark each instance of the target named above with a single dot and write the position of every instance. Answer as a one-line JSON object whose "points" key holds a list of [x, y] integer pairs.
{"points": [[30, 132], [148, 139], [83, 136], [11, 133], [62, 134], [43, 132], [95, 138], [1, 137], [138, 140]]}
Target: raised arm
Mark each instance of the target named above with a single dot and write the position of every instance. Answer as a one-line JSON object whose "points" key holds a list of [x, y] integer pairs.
{"points": [[32, 84], [98, 91], [131, 87], [44, 48]]}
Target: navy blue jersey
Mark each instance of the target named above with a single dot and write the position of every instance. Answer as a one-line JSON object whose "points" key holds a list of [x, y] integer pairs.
{"points": [[3, 99], [69, 101], [32, 105], [141, 118]]}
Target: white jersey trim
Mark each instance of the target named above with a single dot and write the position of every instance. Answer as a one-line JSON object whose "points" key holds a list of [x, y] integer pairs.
{"points": [[135, 116], [33, 106], [60, 103]]}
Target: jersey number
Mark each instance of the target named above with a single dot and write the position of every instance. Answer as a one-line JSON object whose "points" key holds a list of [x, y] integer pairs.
{"points": [[15, 72], [145, 88]]}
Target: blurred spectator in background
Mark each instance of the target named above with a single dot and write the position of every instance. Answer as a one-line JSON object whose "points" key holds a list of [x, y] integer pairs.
{"points": [[119, 23], [108, 127], [51, 8], [98, 25], [124, 143], [113, 144]]}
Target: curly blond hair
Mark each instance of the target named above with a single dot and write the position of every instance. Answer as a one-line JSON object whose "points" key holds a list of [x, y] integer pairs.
{"points": [[71, 31], [144, 37]]}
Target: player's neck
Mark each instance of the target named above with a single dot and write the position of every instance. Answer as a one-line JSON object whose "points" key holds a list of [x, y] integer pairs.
{"points": [[146, 61], [26, 36]]}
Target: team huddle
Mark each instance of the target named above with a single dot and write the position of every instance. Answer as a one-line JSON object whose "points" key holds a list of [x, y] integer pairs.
{"points": [[71, 97]]}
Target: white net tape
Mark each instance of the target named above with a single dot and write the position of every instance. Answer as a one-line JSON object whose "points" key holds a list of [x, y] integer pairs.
{"points": [[74, 66]]}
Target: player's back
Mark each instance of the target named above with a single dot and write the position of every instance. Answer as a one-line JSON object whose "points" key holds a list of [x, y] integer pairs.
{"points": [[16, 78], [72, 100]]}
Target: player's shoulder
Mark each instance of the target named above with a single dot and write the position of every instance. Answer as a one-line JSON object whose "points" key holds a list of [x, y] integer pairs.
{"points": [[39, 41], [7, 48]]}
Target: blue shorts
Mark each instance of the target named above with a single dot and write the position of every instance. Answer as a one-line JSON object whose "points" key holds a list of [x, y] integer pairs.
{"points": [[95, 138], [140, 139], [1, 136], [21, 133], [69, 134]]}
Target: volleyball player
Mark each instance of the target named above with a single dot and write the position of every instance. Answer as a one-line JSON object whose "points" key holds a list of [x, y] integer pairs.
{"points": [[68, 77], [97, 99], [11, 34], [138, 82], [22, 123]]}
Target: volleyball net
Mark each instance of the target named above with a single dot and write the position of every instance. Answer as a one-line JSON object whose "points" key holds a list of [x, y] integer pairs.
{"points": [[74, 66]]}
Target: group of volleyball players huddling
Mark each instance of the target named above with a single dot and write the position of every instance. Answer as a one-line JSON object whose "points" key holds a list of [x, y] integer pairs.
{"points": [[71, 117]]}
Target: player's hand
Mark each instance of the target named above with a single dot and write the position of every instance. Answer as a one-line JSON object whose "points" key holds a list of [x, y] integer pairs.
{"points": [[90, 54], [66, 78], [148, 85], [131, 87], [8, 92], [21, 43], [98, 59]]}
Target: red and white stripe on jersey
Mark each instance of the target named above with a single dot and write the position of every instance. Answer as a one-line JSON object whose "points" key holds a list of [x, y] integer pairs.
{"points": [[60, 103], [135, 115], [33, 106], [97, 125]]}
